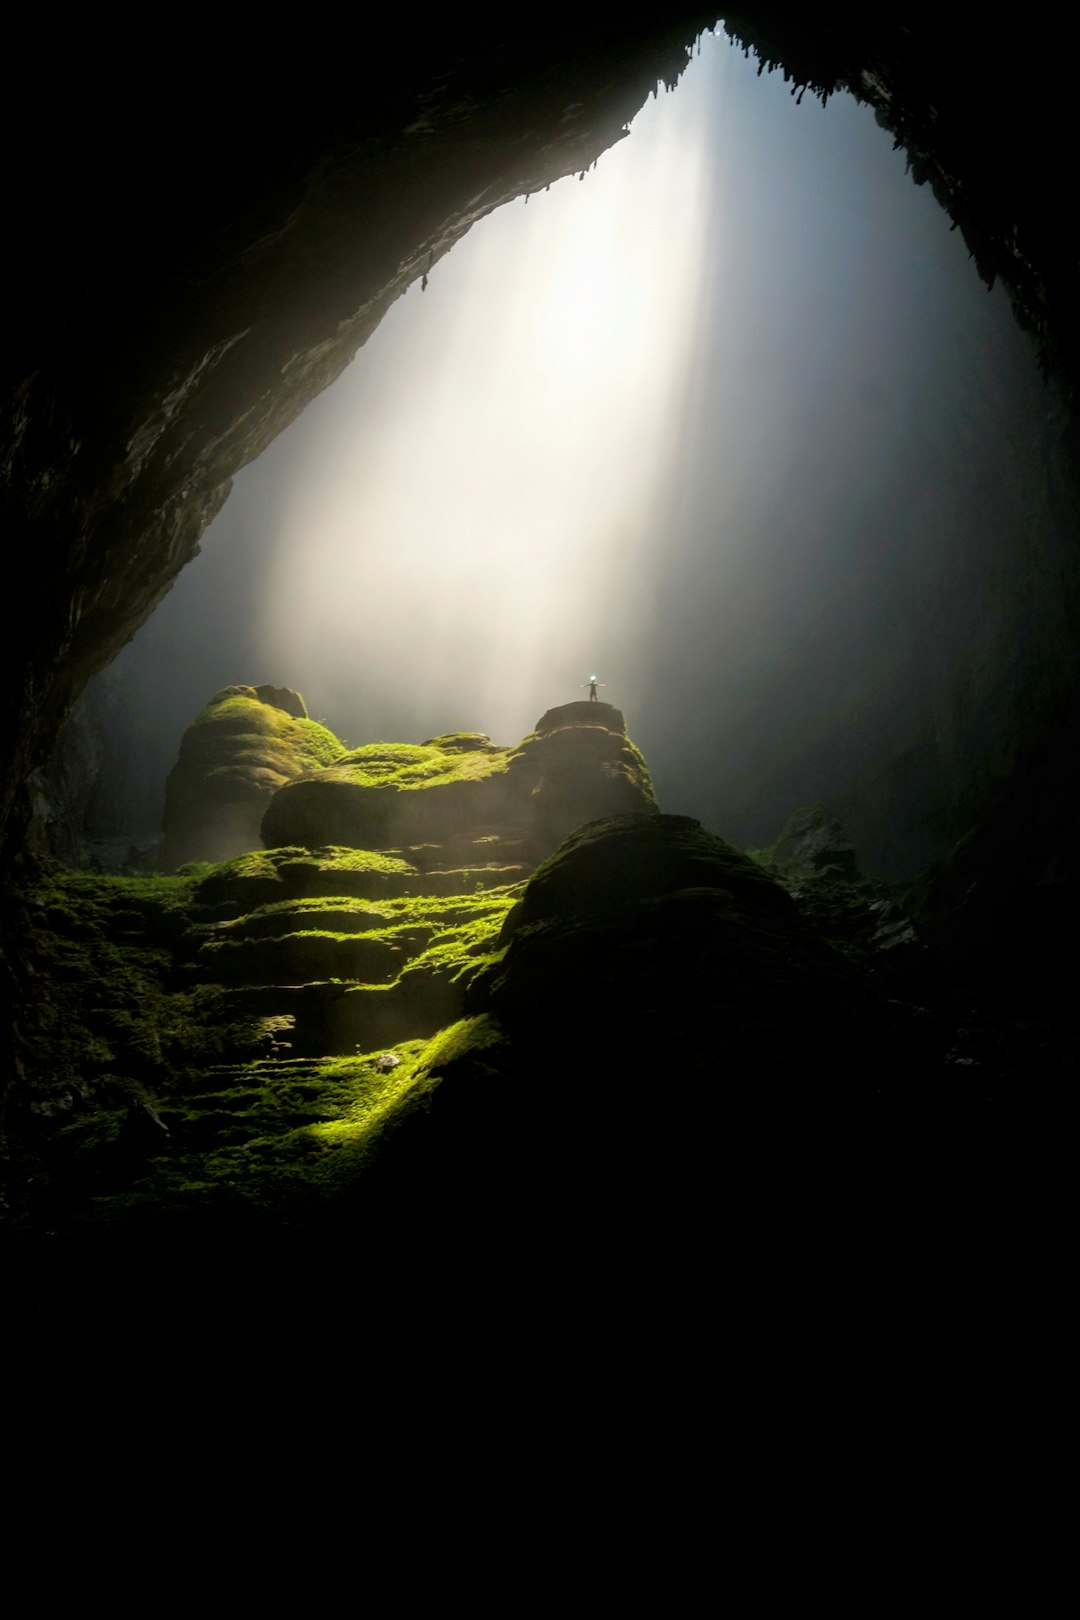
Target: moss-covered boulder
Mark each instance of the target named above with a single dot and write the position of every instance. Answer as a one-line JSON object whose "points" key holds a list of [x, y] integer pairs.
{"points": [[650, 939], [233, 757], [657, 1004], [578, 764]]}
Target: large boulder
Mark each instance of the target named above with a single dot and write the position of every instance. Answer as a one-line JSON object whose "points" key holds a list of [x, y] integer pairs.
{"points": [[650, 940], [660, 1018], [578, 764], [814, 843], [244, 745]]}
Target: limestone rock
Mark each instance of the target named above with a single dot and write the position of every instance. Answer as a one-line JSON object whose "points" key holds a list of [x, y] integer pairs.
{"points": [[660, 1007], [644, 935], [281, 697], [813, 841], [582, 713], [244, 745], [578, 764]]}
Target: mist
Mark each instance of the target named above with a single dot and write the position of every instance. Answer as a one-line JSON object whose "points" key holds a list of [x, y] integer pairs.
{"points": [[712, 422]]}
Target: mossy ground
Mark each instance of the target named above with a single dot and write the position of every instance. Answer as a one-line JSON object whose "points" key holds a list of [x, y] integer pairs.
{"points": [[229, 888], [279, 1139], [114, 1025], [251, 916], [266, 1140], [146, 1081], [413, 766], [450, 936]]}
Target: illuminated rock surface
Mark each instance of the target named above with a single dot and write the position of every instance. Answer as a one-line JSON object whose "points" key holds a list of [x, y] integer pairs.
{"points": [[241, 748], [577, 764]]}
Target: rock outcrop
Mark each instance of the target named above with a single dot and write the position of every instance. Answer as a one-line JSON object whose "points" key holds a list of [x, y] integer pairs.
{"points": [[578, 764], [244, 745], [658, 1010], [813, 841], [694, 944]]}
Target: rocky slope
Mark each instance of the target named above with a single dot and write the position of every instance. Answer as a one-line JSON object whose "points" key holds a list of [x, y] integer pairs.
{"points": [[382, 1073], [196, 1015], [239, 1043]]}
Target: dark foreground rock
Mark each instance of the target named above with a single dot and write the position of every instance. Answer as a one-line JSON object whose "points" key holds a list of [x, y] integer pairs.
{"points": [[660, 1062], [646, 946]]}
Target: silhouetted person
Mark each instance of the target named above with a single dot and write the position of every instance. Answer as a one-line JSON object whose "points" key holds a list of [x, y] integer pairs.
{"points": [[592, 683]]}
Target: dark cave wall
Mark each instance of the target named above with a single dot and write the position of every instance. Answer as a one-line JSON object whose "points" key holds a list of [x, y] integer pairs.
{"points": [[984, 114], [194, 271]]}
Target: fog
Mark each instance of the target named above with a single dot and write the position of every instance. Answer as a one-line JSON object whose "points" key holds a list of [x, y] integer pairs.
{"points": [[706, 422]]}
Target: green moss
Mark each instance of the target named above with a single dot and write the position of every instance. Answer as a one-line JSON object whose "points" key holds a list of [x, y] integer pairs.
{"points": [[238, 733], [236, 753], [379, 1103], [270, 1138], [170, 1067], [338, 858], [461, 952], [448, 938], [284, 1138], [464, 741], [639, 771], [196, 869], [266, 875], [116, 1025], [407, 766]]}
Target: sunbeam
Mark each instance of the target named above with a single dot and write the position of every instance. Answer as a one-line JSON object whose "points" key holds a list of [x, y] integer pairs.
{"points": [[485, 520], [725, 422]]}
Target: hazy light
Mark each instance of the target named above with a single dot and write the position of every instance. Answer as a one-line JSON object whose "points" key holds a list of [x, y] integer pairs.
{"points": [[732, 421], [481, 510]]}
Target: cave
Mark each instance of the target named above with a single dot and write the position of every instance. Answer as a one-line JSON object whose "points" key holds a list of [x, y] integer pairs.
{"points": [[183, 296]]}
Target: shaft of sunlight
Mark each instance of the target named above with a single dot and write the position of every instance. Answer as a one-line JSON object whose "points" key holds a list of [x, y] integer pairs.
{"points": [[464, 539]]}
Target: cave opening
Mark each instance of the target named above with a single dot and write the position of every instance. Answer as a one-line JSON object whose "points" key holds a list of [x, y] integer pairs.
{"points": [[231, 1088], [791, 537]]}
